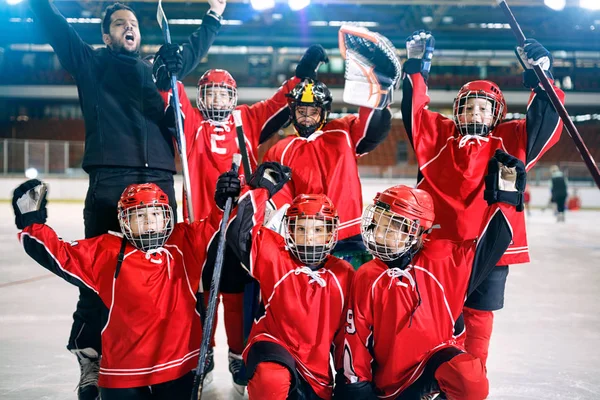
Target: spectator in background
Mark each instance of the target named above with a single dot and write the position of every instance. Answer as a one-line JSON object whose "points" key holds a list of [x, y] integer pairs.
{"points": [[558, 188]]}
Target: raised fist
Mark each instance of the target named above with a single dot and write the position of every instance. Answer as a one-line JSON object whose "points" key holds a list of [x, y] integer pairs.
{"points": [[271, 176], [228, 186], [505, 181], [310, 62], [168, 61], [420, 45], [533, 53], [29, 203]]}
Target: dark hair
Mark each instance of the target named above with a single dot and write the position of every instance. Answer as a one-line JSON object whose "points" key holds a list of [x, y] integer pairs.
{"points": [[109, 11]]}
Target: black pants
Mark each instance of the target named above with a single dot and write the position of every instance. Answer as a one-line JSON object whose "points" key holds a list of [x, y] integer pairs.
{"points": [[100, 216], [560, 203], [489, 295], [173, 390]]}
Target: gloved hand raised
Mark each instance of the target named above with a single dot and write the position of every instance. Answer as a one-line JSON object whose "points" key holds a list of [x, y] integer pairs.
{"points": [[228, 186], [168, 61], [310, 62], [505, 180], [29, 203], [420, 46], [271, 176]]}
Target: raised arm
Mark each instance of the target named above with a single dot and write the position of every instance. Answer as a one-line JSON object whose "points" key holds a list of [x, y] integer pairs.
{"points": [[369, 129], [427, 131], [66, 42], [71, 261]]}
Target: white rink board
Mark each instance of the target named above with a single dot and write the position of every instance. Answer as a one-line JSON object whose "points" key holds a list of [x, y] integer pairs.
{"points": [[545, 344]]}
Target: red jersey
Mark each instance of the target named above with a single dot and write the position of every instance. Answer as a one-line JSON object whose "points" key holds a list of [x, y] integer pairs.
{"points": [[327, 163], [304, 309], [452, 168], [210, 147], [399, 317], [153, 330]]}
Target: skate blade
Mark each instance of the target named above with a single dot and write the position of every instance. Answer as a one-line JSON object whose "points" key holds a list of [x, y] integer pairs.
{"points": [[240, 389], [208, 379]]}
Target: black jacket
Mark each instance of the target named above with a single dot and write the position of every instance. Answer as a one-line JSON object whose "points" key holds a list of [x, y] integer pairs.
{"points": [[122, 108]]}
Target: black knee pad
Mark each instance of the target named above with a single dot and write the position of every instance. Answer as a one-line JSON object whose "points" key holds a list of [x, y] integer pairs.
{"points": [[489, 295]]}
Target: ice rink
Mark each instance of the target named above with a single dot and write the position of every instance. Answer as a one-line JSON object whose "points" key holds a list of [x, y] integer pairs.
{"points": [[546, 342]]}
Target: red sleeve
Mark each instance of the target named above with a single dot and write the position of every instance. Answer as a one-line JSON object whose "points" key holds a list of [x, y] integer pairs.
{"points": [[72, 261], [261, 120], [338, 340], [188, 113], [358, 333], [427, 131], [286, 194]]}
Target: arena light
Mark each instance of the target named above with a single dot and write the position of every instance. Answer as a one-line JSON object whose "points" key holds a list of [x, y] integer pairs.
{"points": [[260, 5], [557, 5], [31, 173], [13, 2], [590, 4], [297, 5]]}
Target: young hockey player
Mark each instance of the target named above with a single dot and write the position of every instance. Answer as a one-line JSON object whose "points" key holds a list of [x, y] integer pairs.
{"points": [[147, 276], [399, 340], [125, 139], [452, 154], [304, 295], [324, 154], [211, 140]]}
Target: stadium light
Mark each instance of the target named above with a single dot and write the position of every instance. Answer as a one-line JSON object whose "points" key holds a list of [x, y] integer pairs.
{"points": [[260, 5], [297, 5], [557, 5], [31, 173], [590, 4], [13, 2]]}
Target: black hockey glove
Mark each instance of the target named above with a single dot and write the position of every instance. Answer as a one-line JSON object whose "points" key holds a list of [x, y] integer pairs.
{"points": [[228, 186], [168, 61], [533, 53], [310, 62], [358, 390], [505, 180], [29, 203], [271, 176], [419, 46]]}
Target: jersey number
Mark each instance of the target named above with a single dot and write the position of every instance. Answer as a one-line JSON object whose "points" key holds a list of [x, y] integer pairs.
{"points": [[214, 138], [350, 328]]}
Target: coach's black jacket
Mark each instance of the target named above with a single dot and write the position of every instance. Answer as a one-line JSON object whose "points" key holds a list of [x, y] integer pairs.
{"points": [[121, 105]]}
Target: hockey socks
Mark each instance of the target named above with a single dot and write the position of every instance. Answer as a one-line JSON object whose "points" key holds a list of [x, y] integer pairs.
{"points": [[478, 326], [463, 378], [270, 381]]}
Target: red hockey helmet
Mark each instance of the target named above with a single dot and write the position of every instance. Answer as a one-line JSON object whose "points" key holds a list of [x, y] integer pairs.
{"points": [[217, 95], [145, 216], [397, 222], [478, 108], [309, 93], [311, 225]]}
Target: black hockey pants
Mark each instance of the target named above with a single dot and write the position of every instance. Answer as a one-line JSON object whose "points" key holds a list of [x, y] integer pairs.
{"points": [[172, 390], [100, 216]]}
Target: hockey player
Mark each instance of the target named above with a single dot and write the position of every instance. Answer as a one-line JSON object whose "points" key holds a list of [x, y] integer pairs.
{"points": [[211, 140], [147, 275], [304, 293], [452, 154], [125, 140], [399, 340]]}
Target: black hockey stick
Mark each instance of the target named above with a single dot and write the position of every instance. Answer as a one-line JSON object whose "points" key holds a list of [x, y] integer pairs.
{"points": [[558, 106], [164, 25], [212, 297], [237, 118]]}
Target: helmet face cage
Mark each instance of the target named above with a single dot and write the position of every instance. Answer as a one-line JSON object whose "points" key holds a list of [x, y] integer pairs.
{"points": [[310, 94], [216, 101], [310, 238], [147, 226], [386, 234], [471, 104]]}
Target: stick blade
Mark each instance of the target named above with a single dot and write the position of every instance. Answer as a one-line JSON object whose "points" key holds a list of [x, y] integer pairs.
{"points": [[160, 16]]}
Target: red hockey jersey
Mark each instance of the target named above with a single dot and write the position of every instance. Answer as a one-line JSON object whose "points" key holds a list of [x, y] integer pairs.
{"points": [[210, 148], [304, 309], [399, 317], [153, 330], [452, 168], [327, 163]]}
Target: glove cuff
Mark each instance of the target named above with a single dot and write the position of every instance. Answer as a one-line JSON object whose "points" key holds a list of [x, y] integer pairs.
{"points": [[530, 79], [34, 217]]}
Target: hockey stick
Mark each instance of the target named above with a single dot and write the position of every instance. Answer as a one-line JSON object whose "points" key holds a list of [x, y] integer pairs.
{"points": [[164, 25], [212, 297], [558, 106], [237, 118]]}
